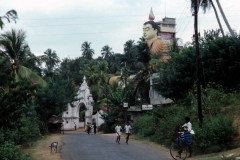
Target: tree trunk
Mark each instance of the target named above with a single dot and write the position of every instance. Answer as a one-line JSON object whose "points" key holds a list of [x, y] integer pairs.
{"points": [[216, 14], [224, 17]]}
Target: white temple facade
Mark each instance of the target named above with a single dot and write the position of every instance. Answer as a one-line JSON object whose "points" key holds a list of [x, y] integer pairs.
{"points": [[71, 115]]}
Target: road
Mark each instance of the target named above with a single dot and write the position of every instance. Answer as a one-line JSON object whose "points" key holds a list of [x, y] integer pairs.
{"points": [[81, 146]]}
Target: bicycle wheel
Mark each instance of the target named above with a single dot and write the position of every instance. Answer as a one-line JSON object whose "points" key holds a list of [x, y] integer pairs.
{"points": [[175, 150]]}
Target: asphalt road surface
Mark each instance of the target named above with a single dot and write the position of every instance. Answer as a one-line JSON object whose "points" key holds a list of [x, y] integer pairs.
{"points": [[81, 146]]}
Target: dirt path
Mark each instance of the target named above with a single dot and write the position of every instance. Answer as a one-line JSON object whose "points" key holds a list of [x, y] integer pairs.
{"points": [[41, 150]]}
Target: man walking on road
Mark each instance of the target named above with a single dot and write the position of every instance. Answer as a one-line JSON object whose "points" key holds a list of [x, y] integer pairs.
{"points": [[127, 129], [118, 129], [88, 127]]}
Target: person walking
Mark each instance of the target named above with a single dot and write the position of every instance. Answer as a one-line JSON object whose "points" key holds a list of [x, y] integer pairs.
{"points": [[118, 129], [88, 127], [127, 131], [94, 128]]}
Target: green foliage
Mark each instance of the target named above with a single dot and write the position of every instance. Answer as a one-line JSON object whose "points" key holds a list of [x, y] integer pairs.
{"points": [[10, 15], [216, 134], [13, 44], [178, 75], [110, 121], [87, 52], [116, 111], [28, 129], [20, 131], [144, 126], [14, 103], [173, 47], [220, 61], [69, 69], [54, 98], [11, 152], [5, 72], [50, 59], [169, 120]]}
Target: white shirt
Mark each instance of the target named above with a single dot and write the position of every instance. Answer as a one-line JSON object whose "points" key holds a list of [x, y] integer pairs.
{"points": [[187, 126], [118, 128], [127, 128]]}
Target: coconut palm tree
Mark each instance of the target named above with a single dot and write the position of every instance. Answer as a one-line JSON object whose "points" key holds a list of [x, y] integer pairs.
{"points": [[216, 14], [204, 4], [130, 52], [90, 70], [10, 15], [224, 17], [103, 73], [129, 49], [87, 51], [106, 51], [105, 91], [51, 59], [13, 45]]}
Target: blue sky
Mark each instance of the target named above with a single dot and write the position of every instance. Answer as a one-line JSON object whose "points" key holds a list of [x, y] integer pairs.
{"points": [[64, 25]]}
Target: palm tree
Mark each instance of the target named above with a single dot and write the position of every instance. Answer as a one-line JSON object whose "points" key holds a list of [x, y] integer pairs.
{"points": [[90, 70], [204, 4], [224, 17], [87, 51], [103, 73], [144, 54], [106, 51], [130, 52], [216, 14], [10, 15], [105, 91], [32, 62], [51, 59], [129, 49], [14, 46]]}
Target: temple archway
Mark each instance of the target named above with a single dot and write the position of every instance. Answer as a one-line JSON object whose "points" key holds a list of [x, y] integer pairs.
{"points": [[71, 115]]}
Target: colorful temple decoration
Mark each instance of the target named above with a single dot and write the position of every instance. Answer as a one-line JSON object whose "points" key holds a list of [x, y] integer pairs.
{"points": [[151, 16]]}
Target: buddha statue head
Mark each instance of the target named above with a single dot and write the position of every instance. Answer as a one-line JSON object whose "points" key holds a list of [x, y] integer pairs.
{"points": [[150, 31]]}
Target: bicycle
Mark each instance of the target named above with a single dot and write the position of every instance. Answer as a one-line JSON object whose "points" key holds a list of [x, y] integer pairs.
{"points": [[178, 149]]}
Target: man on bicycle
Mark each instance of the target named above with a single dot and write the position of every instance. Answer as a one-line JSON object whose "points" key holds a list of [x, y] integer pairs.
{"points": [[186, 136]]}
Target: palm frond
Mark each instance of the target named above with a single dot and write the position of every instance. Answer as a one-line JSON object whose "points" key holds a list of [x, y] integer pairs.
{"points": [[24, 72]]}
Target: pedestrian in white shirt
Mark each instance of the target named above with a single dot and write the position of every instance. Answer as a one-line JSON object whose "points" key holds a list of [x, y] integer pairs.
{"points": [[127, 129], [118, 129]]}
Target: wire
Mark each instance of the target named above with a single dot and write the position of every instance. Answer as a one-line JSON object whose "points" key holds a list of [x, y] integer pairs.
{"points": [[185, 26], [81, 33], [182, 19], [174, 13]]}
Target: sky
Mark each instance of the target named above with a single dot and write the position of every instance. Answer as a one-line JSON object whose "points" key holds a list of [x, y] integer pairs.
{"points": [[63, 25]]}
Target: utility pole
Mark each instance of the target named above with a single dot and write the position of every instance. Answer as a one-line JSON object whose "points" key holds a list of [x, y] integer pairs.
{"points": [[125, 94], [197, 62]]}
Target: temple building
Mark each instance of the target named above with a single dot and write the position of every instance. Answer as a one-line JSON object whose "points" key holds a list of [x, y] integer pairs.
{"points": [[167, 28]]}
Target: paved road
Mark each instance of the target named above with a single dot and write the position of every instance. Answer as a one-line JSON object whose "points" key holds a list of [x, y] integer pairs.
{"points": [[81, 146]]}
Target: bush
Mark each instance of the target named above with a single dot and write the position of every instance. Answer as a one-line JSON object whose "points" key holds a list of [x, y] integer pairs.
{"points": [[216, 134], [11, 135], [11, 152], [144, 125], [29, 130], [21, 131], [169, 120]]}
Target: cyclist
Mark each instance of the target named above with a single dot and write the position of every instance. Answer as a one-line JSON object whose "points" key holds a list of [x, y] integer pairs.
{"points": [[186, 135]]}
